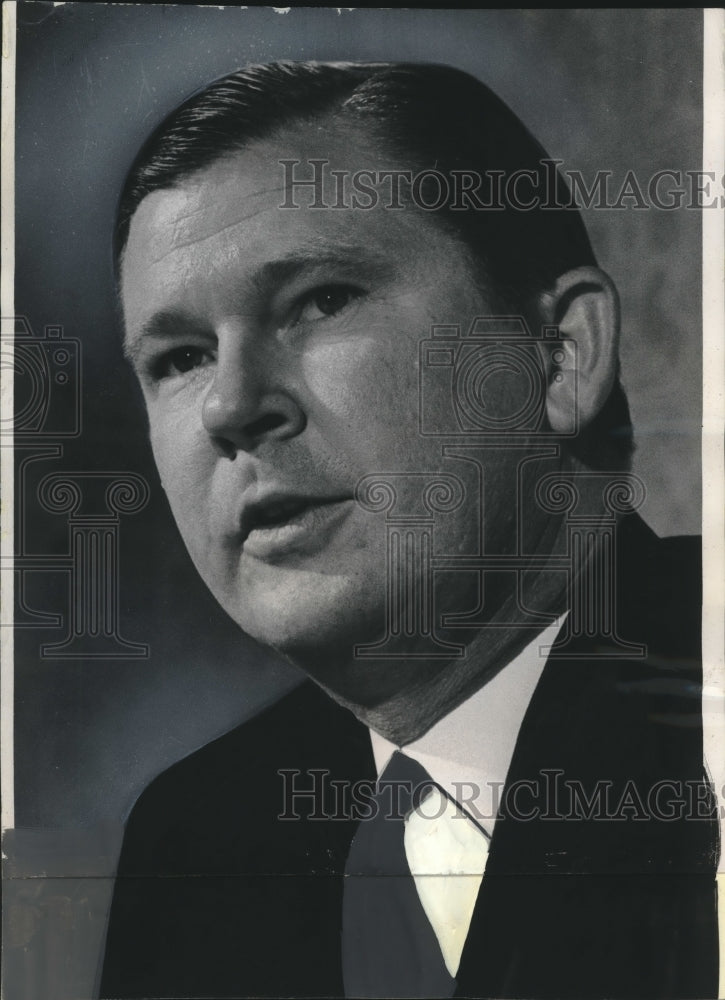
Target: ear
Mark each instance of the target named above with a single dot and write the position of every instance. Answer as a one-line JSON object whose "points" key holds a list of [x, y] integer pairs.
{"points": [[585, 306]]}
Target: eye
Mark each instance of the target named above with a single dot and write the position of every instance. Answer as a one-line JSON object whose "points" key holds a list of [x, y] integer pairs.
{"points": [[180, 361], [327, 300]]}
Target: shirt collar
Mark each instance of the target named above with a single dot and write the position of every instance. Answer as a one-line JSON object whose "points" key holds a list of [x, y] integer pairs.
{"points": [[468, 752]]}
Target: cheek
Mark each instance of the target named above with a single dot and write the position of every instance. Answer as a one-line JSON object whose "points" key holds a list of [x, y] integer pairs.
{"points": [[367, 385], [182, 462], [166, 449]]}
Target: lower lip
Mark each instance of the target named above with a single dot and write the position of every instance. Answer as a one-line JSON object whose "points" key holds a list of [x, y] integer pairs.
{"points": [[305, 533]]}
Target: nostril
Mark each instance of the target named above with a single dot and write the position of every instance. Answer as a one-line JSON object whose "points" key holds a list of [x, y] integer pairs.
{"points": [[263, 425], [253, 433], [224, 447]]}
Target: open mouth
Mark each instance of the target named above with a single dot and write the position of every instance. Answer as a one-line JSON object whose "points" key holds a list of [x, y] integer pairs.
{"points": [[286, 520], [276, 513]]}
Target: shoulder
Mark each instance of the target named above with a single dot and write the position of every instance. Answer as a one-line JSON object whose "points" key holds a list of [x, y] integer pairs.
{"points": [[659, 588], [223, 800]]}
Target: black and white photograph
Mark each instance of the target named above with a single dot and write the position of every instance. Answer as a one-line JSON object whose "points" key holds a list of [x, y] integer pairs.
{"points": [[362, 502]]}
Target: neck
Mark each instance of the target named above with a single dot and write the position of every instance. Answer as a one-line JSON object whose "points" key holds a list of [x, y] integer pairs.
{"points": [[408, 714]]}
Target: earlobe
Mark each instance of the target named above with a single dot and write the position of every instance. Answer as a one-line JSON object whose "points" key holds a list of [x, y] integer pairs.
{"points": [[585, 306]]}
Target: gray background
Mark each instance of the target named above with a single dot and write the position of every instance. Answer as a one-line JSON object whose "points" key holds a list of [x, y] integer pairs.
{"points": [[601, 89]]}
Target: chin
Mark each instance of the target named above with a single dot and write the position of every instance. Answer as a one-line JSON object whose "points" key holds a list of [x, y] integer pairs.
{"points": [[312, 627]]}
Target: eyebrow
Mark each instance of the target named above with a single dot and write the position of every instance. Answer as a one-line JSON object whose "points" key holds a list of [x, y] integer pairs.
{"points": [[349, 258], [161, 326]]}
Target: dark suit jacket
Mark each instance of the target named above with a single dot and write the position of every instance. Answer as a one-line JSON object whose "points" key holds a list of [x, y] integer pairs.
{"points": [[217, 897]]}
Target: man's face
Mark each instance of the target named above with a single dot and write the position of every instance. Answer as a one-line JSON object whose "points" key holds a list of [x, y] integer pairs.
{"points": [[278, 352]]}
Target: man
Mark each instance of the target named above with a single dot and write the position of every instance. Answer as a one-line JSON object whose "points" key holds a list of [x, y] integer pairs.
{"points": [[384, 403]]}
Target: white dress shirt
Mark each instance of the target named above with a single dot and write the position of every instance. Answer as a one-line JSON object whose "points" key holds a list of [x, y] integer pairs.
{"points": [[468, 754]]}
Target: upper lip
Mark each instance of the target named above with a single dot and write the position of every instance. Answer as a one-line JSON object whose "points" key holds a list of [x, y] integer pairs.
{"points": [[279, 506]]}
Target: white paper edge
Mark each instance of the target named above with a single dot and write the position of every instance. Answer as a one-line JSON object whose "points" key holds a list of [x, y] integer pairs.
{"points": [[7, 311]]}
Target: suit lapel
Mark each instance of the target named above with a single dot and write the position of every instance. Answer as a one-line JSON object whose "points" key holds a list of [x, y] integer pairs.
{"points": [[568, 904]]}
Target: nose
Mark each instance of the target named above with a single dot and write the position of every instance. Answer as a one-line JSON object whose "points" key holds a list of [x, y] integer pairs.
{"points": [[250, 401]]}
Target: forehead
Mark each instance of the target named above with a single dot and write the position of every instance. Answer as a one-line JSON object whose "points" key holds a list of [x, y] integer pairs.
{"points": [[233, 213]]}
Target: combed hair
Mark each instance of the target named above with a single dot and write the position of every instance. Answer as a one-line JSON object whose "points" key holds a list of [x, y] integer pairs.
{"points": [[433, 117]]}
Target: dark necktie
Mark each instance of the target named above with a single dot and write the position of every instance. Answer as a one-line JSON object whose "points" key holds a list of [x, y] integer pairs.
{"points": [[389, 948]]}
